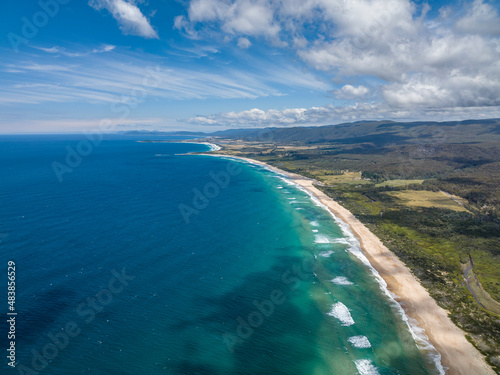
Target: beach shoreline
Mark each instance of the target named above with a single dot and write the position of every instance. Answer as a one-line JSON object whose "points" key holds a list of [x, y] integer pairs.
{"points": [[458, 356]]}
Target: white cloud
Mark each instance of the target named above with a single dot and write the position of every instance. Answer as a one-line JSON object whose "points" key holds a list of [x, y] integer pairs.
{"points": [[244, 43], [182, 24], [327, 115], [251, 18], [105, 78], [454, 90], [481, 18], [104, 48], [62, 51], [128, 15], [409, 58], [74, 125], [351, 92], [243, 17], [54, 49]]}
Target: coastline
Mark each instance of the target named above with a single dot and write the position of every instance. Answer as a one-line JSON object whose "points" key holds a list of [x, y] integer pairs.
{"points": [[458, 356], [213, 146]]}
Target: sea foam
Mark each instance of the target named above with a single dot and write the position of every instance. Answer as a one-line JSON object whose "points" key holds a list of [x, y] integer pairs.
{"points": [[417, 332], [342, 313], [361, 342], [326, 254], [319, 238], [366, 367], [341, 280]]}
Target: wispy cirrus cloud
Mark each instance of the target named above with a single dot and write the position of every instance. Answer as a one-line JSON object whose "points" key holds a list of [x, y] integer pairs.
{"points": [[128, 15], [106, 78], [72, 125], [56, 50]]}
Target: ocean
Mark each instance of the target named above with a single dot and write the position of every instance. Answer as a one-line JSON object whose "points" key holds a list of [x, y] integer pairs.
{"points": [[131, 258]]}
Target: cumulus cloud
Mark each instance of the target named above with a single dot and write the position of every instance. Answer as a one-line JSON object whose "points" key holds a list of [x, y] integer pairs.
{"points": [[450, 91], [244, 17], [481, 18], [128, 15], [410, 58], [244, 43], [254, 117], [351, 92], [327, 115]]}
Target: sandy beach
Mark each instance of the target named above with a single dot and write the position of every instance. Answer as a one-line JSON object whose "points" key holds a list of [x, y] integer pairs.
{"points": [[458, 356]]}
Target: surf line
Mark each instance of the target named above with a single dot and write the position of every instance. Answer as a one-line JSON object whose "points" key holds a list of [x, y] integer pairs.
{"points": [[418, 334]]}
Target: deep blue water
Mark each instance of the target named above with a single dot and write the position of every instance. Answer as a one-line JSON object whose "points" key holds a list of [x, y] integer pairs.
{"points": [[111, 278]]}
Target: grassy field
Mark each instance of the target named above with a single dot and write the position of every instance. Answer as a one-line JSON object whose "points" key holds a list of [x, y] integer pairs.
{"points": [[399, 183], [344, 177], [423, 198]]}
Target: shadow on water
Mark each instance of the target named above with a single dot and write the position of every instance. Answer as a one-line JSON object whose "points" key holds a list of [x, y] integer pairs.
{"points": [[39, 319], [284, 343]]}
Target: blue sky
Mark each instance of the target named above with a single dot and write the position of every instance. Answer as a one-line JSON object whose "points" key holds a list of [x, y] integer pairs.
{"points": [[70, 66]]}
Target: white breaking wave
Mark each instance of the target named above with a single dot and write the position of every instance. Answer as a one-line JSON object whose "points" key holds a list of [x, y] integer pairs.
{"points": [[359, 342], [319, 238], [315, 231], [340, 240], [366, 367], [342, 313], [213, 147], [314, 223], [326, 254], [417, 332], [341, 280]]}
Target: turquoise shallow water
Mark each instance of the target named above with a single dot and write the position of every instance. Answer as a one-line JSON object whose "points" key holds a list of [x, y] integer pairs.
{"points": [[122, 268]]}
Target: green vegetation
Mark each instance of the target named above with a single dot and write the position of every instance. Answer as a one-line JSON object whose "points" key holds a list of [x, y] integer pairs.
{"points": [[398, 183], [344, 177], [423, 198], [481, 295], [428, 190]]}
